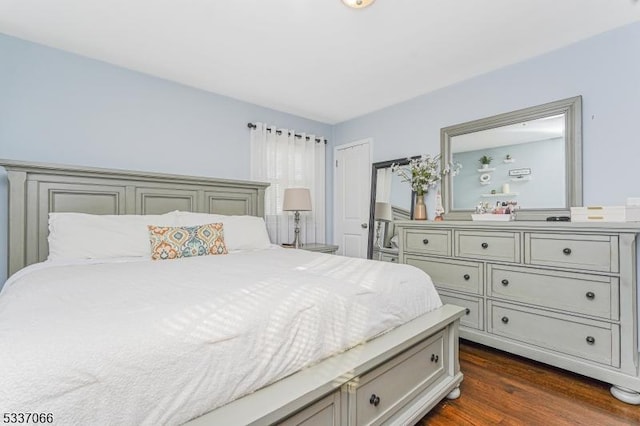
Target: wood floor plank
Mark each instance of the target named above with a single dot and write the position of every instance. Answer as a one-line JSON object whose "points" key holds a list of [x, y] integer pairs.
{"points": [[504, 389]]}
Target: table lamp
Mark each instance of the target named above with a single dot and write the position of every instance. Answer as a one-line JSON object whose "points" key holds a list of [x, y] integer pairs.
{"points": [[296, 200], [382, 213]]}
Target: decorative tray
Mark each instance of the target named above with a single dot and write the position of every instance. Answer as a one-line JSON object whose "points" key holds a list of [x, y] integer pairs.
{"points": [[492, 217]]}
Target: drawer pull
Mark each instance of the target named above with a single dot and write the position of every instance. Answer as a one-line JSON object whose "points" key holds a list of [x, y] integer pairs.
{"points": [[467, 311], [484, 245], [591, 340], [425, 241], [567, 251], [505, 320], [434, 358], [505, 282], [590, 295], [394, 259], [466, 277], [374, 400]]}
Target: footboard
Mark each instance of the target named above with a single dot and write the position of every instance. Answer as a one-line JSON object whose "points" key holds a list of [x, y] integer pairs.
{"points": [[394, 379]]}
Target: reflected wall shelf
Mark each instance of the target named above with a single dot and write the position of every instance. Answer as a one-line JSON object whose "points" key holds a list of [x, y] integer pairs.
{"points": [[500, 194], [488, 169]]}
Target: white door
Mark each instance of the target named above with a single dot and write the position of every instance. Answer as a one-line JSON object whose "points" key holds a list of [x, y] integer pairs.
{"points": [[351, 200]]}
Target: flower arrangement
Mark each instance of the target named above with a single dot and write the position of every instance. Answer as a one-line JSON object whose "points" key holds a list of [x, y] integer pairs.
{"points": [[424, 171]]}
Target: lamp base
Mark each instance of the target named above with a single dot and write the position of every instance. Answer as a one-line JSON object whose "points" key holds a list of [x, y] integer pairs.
{"points": [[296, 239]]}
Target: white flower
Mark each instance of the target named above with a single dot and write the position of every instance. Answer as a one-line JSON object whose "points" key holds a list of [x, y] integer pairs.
{"points": [[424, 172]]}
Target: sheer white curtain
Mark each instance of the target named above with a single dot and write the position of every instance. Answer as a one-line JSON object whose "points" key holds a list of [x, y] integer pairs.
{"points": [[285, 160], [383, 185]]}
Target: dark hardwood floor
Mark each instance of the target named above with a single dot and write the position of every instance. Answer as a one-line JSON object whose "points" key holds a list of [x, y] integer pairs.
{"points": [[504, 389]]}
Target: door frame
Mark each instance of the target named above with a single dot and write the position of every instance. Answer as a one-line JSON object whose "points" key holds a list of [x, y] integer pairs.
{"points": [[363, 141]]}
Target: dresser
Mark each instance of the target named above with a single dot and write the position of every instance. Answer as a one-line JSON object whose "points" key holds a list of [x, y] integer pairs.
{"points": [[561, 293]]}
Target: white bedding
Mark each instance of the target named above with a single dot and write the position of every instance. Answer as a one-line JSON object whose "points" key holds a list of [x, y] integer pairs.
{"points": [[144, 342]]}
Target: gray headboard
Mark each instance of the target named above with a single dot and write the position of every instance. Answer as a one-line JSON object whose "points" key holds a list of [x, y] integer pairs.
{"points": [[36, 189]]}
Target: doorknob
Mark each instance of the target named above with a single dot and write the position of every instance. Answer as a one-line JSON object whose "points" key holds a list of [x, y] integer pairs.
{"points": [[364, 225]]}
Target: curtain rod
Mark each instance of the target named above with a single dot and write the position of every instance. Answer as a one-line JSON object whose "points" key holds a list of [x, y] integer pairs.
{"points": [[279, 132]]}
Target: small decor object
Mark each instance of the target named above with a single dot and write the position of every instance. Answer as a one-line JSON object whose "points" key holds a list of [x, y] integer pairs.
{"points": [[423, 172], [600, 214], [420, 208], [296, 200], [520, 172], [508, 158], [505, 188], [485, 160]]}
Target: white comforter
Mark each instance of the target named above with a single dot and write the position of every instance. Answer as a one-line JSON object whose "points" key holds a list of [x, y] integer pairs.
{"points": [[143, 342]]}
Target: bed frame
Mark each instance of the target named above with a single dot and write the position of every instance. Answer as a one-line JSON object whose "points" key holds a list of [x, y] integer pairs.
{"points": [[393, 379]]}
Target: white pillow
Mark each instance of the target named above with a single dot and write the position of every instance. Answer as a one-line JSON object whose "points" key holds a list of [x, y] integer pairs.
{"points": [[240, 232], [89, 236], [197, 219]]}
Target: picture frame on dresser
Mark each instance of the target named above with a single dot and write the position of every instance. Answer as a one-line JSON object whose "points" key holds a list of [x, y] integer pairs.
{"points": [[561, 293]]}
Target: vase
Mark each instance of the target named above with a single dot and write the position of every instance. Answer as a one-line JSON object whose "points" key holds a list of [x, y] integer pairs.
{"points": [[420, 208]]}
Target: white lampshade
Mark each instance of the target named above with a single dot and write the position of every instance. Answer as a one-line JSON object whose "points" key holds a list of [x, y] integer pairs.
{"points": [[383, 212], [296, 199]]}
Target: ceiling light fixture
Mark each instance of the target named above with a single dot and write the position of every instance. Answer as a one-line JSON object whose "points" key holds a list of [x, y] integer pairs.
{"points": [[357, 4]]}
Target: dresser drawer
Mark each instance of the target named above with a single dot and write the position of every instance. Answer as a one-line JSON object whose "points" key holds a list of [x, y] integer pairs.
{"points": [[382, 389], [325, 412], [473, 317], [579, 293], [436, 242], [588, 252], [502, 246], [454, 275], [587, 339], [393, 258]]}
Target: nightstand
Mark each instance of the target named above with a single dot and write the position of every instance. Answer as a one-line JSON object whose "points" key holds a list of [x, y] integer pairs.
{"points": [[321, 248], [386, 254]]}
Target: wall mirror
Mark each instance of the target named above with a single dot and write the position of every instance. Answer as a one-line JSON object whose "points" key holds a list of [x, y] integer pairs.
{"points": [[395, 202], [531, 156]]}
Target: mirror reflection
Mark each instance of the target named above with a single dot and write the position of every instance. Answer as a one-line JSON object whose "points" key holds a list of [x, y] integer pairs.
{"points": [[523, 162], [390, 201], [530, 158]]}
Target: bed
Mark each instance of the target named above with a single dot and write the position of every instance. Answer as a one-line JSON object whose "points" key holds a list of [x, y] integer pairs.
{"points": [[164, 344]]}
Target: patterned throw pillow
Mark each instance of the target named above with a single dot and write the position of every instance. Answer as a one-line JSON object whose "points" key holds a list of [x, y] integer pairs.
{"points": [[186, 241]]}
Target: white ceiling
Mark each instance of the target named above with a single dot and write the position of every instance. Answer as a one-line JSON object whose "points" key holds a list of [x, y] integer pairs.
{"points": [[313, 58]]}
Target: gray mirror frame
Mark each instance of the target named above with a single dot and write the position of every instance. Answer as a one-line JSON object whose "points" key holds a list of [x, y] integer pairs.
{"points": [[572, 110], [374, 183]]}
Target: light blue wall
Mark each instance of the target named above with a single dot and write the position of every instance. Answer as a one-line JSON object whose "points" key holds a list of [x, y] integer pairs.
{"points": [[59, 107], [605, 70], [544, 190], [62, 108]]}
